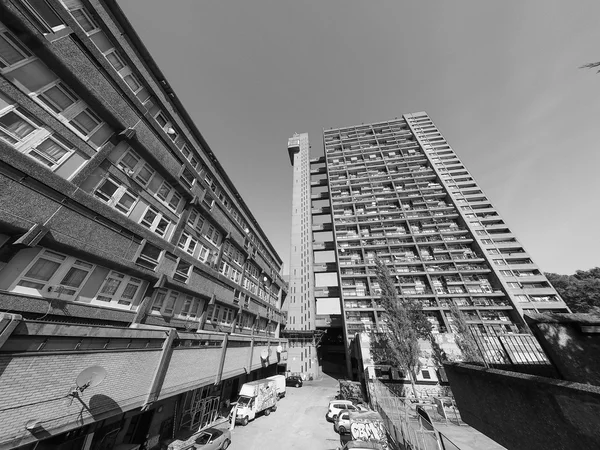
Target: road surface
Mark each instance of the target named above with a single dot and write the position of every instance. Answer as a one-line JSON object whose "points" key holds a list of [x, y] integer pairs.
{"points": [[298, 423]]}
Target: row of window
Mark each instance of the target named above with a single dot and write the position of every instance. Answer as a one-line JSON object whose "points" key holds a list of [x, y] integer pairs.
{"points": [[23, 131], [55, 275]]}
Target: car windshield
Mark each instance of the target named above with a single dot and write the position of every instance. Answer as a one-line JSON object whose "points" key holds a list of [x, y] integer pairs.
{"points": [[244, 401], [203, 439]]}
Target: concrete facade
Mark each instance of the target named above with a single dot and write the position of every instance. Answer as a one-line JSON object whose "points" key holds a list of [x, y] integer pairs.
{"points": [[119, 228], [399, 191], [300, 306]]}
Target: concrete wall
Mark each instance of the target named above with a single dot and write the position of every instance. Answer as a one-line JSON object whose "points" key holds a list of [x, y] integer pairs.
{"points": [[572, 343], [40, 362], [526, 412]]}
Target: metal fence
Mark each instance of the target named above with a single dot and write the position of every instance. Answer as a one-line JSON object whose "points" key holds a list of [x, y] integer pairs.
{"points": [[513, 349], [406, 427]]}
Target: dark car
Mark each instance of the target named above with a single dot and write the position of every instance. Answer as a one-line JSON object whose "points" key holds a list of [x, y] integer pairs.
{"points": [[293, 381]]}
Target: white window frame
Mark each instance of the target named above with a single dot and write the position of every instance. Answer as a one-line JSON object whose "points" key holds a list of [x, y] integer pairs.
{"points": [[134, 172], [153, 226], [188, 243], [169, 196], [70, 113], [89, 18], [116, 299], [190, 309], [183, 274], [19, 47], [213, 235], [168, 304], [197, 221], [114, 200], [52, 288]]}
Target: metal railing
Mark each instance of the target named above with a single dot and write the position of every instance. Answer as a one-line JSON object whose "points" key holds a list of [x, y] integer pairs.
{"points": [[513, 349], [405, 426]]}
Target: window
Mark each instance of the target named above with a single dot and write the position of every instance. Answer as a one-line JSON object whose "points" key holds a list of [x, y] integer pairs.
{"points": [[190, 308], [58, 97], [132, 82], [135, 167], [114, 59], [44, 15], [11, 50], [182, 272], [499, 262], [203, 253], [493, 251], [212, 235], [230, 272], [116, 195], [513, 285], [16, 126], [155, 222], [86, 122], [118, 290], [506, 273], [195, 220], [54, 275], [187, 243], [165, 301], [187, 178], [426, 375], [84, 20], [128, 161], [149, 256], [52, 151], [521, 298], [169, 196]]}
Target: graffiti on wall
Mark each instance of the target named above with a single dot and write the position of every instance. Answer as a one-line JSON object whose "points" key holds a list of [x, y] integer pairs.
{"points": [[368, 431]]}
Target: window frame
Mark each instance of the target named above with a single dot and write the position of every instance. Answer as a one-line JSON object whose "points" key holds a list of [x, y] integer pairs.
{"points": [[153, 226], [91, 20], [115, 199], [27, 55], [66, 263], [116, 300]]}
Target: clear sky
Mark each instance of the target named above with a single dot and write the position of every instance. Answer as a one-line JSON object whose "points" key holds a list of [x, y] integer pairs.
{"points": [[499, 79]]}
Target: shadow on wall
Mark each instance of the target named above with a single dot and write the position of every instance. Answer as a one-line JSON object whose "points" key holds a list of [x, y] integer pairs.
{"points": [[572, 343]]}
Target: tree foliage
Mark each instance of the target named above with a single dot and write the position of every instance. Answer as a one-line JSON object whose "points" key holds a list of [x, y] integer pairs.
{"points": [[464, 337], [580, 291], [406, 324]]}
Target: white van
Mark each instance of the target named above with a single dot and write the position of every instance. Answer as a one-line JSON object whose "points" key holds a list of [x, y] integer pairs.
{"points": [[279, 383]]}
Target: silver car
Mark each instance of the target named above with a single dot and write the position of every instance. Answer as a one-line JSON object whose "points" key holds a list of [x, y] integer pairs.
{"points": [[210, 439]]}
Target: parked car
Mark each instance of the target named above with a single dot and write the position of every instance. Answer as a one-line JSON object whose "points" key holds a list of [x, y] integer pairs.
{"points": [[341, 425], [213, 439], [207, 439], [362, 445], [337, 406], [293, 380]]}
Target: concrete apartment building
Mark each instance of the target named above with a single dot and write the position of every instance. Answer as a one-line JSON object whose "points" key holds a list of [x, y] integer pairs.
{"points": [[397, 190], [300, 330], [123, 243]]}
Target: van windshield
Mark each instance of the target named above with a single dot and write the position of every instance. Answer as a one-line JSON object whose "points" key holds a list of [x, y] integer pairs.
{"points": [[244, 400]]}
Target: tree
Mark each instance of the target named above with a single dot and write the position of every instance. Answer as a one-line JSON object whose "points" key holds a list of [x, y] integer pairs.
{"points": [[464, 337], [405, 324], [591, 66], [580, 291]]}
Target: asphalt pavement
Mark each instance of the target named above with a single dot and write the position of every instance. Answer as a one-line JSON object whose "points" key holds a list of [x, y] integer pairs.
{"points": [[298, 423]]}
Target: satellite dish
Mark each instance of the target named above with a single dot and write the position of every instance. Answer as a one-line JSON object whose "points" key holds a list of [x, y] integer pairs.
{"points": [[90, 377], [264, 354], [279, 349]]}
